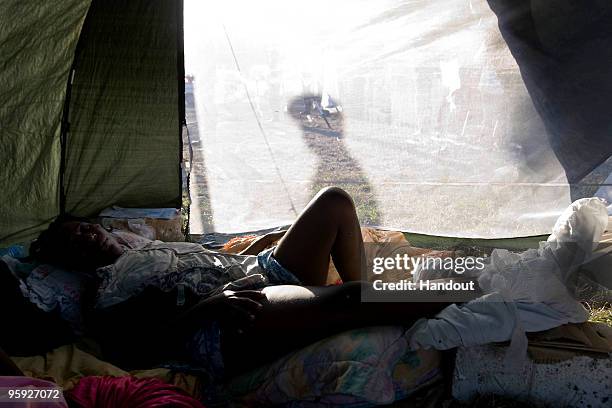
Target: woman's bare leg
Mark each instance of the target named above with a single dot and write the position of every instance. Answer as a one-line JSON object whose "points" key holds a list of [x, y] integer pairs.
{"points": [[327, 226], [296, 316]]}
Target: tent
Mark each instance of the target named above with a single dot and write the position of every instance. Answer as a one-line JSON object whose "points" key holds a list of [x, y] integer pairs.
{"points": [[474, 119], [91, 109]]}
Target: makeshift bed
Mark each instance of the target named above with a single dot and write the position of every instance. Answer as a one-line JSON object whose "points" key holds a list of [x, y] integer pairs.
{"points": [[363, 367]]}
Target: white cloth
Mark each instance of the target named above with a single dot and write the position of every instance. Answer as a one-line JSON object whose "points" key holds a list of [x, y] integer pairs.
{"points": [[531, 291]]}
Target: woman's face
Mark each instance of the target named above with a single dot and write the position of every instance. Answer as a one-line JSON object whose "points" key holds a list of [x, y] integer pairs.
{"points": [[89, 245]]}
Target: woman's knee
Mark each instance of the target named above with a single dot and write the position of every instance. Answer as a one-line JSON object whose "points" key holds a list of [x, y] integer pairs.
{"points": [[334, 193], [336, 200], [346, 294]]}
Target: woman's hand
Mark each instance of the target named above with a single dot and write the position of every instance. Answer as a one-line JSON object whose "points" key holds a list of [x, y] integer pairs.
{"points": [[234, 310]]}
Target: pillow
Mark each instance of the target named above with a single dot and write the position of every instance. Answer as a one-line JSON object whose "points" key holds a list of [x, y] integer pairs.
{"points": [[362, 367], [52, 288]]}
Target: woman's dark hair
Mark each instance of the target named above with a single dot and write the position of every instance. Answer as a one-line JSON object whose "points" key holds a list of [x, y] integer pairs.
{"points": [[49, 247]]}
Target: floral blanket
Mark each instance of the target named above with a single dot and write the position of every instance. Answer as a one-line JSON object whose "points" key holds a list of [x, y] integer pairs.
{"points": [[359, 368]]}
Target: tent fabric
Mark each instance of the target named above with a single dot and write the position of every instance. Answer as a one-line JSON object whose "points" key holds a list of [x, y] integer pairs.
{"points": [[444, 128], [563, 51], [37, 43], [471, 119], [124, 143]]}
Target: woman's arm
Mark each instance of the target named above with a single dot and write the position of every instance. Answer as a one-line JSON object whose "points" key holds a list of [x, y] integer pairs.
{"points": [[234, 310], [262, 242], [150, 328]]}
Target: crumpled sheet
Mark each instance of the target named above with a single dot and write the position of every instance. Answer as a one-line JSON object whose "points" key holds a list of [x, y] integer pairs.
{"points": [[67, 364], [531, 291]]}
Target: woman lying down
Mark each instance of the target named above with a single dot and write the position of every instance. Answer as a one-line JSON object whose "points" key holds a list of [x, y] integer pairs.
{"points": [[225, 313]]}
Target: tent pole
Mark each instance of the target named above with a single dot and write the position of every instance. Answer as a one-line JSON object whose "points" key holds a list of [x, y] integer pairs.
{"points": [[65, 125], [180, 76], [65, 130]]}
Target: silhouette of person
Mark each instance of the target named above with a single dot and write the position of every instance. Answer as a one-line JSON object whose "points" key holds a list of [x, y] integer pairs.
{"points": [[321, 122]]}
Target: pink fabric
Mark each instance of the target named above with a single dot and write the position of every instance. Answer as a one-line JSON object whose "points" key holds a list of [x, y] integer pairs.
{"points": [[128, 392], [22, 383]]}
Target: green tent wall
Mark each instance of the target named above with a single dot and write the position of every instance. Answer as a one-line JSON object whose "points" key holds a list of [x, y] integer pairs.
{"points": [[120, 143], [124, 143], [37, 44]]}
